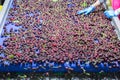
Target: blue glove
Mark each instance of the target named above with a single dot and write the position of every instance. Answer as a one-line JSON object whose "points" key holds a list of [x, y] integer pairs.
{"points": [[86, 11], [110, 14]]}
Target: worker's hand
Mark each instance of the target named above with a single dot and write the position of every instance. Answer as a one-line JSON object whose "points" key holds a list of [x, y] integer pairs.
{"points": [[110, 13], [86, 11]]}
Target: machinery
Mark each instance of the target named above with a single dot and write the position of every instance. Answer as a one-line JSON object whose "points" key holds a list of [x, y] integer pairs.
{"points": [[4, 9], [24, 67]]}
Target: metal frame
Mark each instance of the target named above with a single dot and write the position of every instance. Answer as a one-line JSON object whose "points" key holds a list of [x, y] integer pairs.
{"points": [[116, 23], [4, 13]]}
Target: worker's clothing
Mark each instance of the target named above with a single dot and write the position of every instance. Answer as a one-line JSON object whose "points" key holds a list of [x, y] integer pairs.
{"points": [[115, 4]]}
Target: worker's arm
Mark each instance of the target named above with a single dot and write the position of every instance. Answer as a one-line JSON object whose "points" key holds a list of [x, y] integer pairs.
{"points": [[90, 9], [112, 13], [97, 3]]}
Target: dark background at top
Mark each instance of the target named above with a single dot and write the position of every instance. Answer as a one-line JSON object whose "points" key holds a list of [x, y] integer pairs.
{"points": [[1, 2]]}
